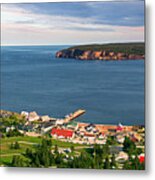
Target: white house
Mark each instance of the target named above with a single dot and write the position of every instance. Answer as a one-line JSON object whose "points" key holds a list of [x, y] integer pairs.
{"points": [[33, 116], [45, 118], [25, 114]]}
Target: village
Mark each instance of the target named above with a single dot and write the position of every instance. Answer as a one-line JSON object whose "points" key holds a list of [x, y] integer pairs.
{"points": [[69, 130]]}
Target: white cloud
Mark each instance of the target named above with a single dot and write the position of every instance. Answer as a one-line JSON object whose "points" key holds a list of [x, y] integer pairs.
{"points": [[20, 26]]}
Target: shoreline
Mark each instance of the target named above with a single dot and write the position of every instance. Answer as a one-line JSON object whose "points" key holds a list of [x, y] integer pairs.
{"points": [[9, 113], [33, 125], [105, 52]]}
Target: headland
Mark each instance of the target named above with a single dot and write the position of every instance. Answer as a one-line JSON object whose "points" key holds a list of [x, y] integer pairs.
{"points": [[114, 51]]}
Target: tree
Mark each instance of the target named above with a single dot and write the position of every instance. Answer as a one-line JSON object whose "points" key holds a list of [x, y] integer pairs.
{"points": [[113, 162], [16, 145], [37, 161], [72, 148], [45, 159], [107, 163], [129, 146], [134, 164], [42, 155], [14, 161], [11, 146], [56, 149], [58, 159], [28, 153], [19, 161], [127, 165], [13, 133], [106, 150], [111, 140]]}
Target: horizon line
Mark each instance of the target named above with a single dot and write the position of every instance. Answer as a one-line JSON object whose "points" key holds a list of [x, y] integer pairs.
{"points": [[76, 44]]}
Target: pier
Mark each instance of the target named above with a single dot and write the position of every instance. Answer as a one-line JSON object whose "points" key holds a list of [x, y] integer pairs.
{"points": [[74, 115]]}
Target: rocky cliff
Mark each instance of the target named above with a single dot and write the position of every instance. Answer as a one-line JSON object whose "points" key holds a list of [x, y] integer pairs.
{"points": [[123, 51]]}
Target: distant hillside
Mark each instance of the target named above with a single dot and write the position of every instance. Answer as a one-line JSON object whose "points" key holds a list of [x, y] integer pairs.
{"points": [[120, 51], [130, 48]]}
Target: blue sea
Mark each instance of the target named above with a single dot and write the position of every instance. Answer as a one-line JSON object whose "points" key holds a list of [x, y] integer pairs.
{"points": [[32, 79]]}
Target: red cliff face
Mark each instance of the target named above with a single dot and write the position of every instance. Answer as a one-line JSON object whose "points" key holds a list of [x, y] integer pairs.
{"points": [[96, 55]]}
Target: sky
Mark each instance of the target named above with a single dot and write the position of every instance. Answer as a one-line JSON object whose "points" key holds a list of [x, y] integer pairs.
{"points": [[72, 23]]}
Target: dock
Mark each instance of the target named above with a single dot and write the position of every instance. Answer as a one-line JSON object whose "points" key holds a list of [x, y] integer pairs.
{"points": [[74, 115]]}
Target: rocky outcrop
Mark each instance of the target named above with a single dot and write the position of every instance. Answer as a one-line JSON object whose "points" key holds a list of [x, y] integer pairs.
{"points": [[124, 51], [96, 55], [69, 53]]}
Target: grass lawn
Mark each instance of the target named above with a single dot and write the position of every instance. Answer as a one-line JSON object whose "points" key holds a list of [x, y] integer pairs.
{"points": [[37, 140], [6, 150], [28, 142], [21, 138], [65, 144], [24, 142], [5, 161]]}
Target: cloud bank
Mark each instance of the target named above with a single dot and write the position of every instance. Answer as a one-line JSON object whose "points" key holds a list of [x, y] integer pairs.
{"points": [[72, 23]]}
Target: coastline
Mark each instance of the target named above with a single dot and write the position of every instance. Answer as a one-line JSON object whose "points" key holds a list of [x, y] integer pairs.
{"points": [[116, 51], [9, 113], [28, 128]]}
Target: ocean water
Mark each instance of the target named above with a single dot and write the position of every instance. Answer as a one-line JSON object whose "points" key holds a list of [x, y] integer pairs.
{"points": [[32, 79]]}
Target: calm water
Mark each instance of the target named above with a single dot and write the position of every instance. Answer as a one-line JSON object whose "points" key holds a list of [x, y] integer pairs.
{"points": [[33, 79]]}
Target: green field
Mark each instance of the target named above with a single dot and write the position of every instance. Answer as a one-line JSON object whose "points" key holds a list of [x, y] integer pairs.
{"points": [[29, 142]]}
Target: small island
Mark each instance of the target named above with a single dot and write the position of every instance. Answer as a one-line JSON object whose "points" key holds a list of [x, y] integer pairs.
{"points": [[113, 51]]}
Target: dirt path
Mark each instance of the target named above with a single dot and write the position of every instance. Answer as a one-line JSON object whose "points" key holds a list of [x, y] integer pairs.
{"points": [[25, 142], [12, 154]]}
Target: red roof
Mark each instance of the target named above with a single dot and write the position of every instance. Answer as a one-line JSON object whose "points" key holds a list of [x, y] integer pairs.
{"points": [[141, 159], [119, 128], [62, 132], [89, 135]]}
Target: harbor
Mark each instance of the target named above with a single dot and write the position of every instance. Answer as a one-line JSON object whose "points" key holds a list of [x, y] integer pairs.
{"points": [[69, 130], [70, 135]]}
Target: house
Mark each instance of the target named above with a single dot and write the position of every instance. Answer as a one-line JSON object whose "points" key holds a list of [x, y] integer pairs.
{"points": [[25, 114], [62, 133], [9, 129], [89, 137], [59, 122], [33, 116], [47, 126], [45, 118], [79, 133], [101, 136], [141, 158], [119, 127], [73, 125], [120, 139], [90, 127], [136, 137], [5, 114], [106, 128]]}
